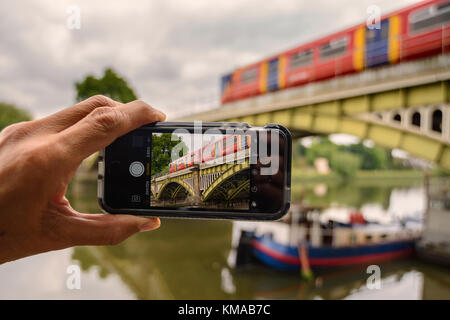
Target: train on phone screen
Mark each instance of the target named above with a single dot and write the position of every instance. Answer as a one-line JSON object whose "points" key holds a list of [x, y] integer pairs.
{"points": [[418, 31], [227, 145]]}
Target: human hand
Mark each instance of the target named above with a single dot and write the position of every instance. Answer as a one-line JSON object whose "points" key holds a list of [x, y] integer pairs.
{"points": [[37, 161]]}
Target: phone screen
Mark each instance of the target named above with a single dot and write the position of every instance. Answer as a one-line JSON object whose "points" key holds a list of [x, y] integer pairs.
{"points": [[208, 171], [174, 170]]}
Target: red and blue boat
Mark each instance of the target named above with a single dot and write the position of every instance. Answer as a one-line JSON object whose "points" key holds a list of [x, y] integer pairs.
{"points": [[329, 245], [285, 257]]}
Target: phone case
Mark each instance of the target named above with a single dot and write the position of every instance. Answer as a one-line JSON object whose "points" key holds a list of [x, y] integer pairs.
{"points": [[182, 213]]}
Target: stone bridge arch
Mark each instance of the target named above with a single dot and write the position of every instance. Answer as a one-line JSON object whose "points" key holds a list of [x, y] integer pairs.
{"points": [[177, 189], [230, 184]]}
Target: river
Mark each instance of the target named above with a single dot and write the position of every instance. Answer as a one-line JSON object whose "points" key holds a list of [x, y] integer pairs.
{"points": [[188, 259]]}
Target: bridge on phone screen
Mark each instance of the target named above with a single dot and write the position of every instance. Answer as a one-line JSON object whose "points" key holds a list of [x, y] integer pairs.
{"points": [[220, 183], [404, 106]]}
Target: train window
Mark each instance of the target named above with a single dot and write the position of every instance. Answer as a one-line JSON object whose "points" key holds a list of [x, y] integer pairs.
{"points": [[249, 76], [301, 59], [429, 17], [333, 48]]}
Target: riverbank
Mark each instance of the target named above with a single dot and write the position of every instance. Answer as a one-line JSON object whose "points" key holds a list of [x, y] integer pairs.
{"points": [[384, 176]]}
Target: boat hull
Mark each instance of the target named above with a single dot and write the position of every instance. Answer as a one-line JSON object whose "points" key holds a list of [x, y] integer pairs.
{"points": [[284, 257]]}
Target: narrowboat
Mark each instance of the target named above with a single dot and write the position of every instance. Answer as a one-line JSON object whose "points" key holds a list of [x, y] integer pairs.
{"points": [[289, 245]]}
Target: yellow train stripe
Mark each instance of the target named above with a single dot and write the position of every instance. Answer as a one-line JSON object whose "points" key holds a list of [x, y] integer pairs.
{"points": [[281, 71], [359, 51], [263, 77], [394, 39]]}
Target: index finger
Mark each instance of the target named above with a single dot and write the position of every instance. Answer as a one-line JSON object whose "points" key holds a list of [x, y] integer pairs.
{"points": [[103, 125], [71, 115]]}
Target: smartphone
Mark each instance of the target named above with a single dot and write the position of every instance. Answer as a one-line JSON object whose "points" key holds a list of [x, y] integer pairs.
{"points": [[198, 170]]}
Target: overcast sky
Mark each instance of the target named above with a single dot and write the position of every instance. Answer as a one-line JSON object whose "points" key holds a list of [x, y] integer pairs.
{"points": [[171, 52]]}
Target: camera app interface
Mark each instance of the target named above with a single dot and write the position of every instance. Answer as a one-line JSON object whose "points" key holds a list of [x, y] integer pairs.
{"points": [[193, 170]]}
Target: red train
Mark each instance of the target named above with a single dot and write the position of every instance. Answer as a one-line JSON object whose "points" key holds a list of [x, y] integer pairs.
{"points": [[415, 32], [227, 145]]}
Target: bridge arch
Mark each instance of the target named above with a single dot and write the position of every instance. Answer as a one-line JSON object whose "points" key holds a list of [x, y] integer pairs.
{"points": [[173, 189], [230, 183]]}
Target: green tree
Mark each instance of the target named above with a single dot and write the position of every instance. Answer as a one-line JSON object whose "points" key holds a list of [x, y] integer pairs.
{"points": [[111, 85], [10, 114], [162, 146], [345, 163], [321, 148], [372, 158]]}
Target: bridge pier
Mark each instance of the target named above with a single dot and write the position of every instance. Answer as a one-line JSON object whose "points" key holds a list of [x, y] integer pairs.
{"points": [[197, 197]]}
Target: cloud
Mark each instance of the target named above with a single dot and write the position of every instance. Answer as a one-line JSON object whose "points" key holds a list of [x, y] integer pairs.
{"points": [[172, 52]]}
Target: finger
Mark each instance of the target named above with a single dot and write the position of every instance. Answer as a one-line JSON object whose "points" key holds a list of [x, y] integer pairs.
{"points": [[105, 229], [103, 125], [71, 115]]}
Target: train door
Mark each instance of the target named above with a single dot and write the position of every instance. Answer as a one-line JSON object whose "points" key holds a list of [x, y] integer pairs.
{"points": [[225, 87], [272, 75], [377, 48]]}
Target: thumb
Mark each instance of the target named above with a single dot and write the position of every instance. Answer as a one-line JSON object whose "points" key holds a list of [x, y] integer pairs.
{"points": [[106, 229]]}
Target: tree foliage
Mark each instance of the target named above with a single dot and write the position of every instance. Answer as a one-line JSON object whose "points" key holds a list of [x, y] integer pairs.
{"points": [[322, 148], [345, 163], [10, 114], [162, 147], [347, 159], [372, 158], [110, 84]]}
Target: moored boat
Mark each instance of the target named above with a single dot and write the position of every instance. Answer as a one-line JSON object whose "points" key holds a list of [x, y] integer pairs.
{"points": [[330, 244], [286, 257]]}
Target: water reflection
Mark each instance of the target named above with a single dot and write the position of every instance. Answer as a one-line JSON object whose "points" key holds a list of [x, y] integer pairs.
{"points": [[187, 259], [183, 259], [402, 279]]}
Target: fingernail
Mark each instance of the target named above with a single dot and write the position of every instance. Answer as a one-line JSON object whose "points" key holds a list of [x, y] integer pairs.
{"points": [[152, 224]]}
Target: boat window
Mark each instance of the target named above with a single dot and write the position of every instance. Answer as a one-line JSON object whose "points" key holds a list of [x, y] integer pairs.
{"points": [[301, 59], [333, 48], [432, 16], [249, 75], [368, 237]]}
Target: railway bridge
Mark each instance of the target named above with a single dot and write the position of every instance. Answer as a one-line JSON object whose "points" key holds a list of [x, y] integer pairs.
{"points": [[222, 183], [404, 106]]}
